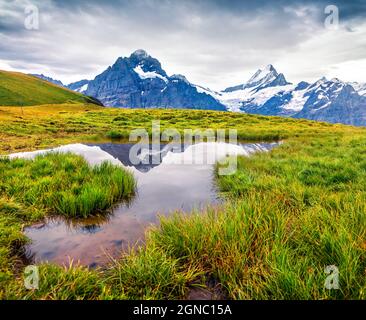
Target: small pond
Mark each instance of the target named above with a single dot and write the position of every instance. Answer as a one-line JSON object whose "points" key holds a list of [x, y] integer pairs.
{"points": [[162, 188]]}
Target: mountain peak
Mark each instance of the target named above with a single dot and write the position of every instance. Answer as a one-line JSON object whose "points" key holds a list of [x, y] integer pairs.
{"points": [[142, 62], [322, 80], [266, 77], [140, 53], [179, 77], [263, 78], [269, 68], [267, 73], [337, 80], [138, 81]]}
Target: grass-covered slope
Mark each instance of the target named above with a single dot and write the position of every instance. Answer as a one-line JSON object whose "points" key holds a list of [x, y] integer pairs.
{"points": [[17, 89]]}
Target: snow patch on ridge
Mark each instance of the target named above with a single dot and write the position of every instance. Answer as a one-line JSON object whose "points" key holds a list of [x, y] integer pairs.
{"points": [[148, 75], [83, 89], [236, 99], [297, 102]]}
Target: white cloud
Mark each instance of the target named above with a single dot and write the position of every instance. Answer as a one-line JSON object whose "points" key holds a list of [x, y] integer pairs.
{"points": [[339, 53]]}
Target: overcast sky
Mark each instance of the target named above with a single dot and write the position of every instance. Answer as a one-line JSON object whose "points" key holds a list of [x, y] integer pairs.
{"points": [[216, 43]]}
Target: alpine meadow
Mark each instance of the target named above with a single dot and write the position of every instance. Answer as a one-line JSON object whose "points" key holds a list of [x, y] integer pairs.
{"points": [[256, 189]]}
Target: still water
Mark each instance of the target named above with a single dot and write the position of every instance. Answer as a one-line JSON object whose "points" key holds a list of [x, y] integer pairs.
{"points": [[162, 188]]}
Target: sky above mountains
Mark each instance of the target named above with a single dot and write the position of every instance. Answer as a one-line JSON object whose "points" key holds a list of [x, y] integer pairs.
{"points": [[213, 43]]}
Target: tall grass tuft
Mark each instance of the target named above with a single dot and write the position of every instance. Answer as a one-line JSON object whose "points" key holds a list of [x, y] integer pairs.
{"points": [[65, 184]]}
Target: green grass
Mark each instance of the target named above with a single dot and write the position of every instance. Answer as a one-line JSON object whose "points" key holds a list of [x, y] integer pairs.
{"points": [[116, 135], [146, 274], [61, 283], [64, 184], [17, 89], [52, 184], [290, 213]]}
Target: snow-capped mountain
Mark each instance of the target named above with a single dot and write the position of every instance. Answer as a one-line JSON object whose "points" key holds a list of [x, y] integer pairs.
{"points": [[268, 93], [334, 101], [263, 85], [139, 81], [268, 77]]}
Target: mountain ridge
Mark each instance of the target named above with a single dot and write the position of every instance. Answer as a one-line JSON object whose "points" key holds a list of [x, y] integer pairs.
{"points": [[268, 93], [139, 81]]}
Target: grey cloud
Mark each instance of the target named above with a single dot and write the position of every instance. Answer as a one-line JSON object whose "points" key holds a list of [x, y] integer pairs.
{"points": [[215, 43]]}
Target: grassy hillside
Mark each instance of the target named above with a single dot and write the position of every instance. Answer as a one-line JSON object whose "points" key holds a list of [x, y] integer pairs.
{"points": [[17, 89], [290, 212]]}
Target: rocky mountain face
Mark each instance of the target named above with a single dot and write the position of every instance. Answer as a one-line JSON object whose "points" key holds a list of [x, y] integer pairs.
{"points": [[334, 101], [140, 82]]}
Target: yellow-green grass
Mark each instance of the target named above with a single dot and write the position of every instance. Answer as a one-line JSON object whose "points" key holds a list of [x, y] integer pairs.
{"points": [[18, 89], [290, 213], [39, 127]]}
